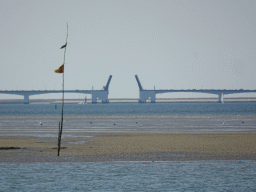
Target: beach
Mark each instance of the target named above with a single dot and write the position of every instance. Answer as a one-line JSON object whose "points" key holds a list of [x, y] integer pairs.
{"points": [[128, 138], [130, 147]]}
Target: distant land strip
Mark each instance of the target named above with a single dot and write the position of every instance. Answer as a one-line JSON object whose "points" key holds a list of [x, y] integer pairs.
{"points": [[133, 100]]}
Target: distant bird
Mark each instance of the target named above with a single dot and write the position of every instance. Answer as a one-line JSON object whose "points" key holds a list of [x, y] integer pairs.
{"points": [[114, 124], [40, 123], [63, 46], [136, 122]]}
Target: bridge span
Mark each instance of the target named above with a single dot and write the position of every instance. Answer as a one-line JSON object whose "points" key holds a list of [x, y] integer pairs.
{"points": [[101, 94], [145, 94]]}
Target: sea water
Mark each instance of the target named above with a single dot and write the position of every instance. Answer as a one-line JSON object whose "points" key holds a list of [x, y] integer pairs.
{"points": [[129, 176], [43, 120], [130, 109]]}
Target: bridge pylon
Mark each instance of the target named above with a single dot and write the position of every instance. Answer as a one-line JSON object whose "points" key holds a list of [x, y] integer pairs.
{"points": [[145, 94], [101, 94]]}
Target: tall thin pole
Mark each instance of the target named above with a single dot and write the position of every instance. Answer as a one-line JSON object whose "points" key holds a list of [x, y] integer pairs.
{"points": [[61, 124]]}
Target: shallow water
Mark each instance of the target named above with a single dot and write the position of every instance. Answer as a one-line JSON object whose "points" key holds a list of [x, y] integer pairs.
{"points": [[130, 109], [130, 176], [73, 125], [43, 120]]}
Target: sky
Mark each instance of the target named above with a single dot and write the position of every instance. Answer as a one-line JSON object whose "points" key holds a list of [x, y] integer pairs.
{"points": [[186, 44]]}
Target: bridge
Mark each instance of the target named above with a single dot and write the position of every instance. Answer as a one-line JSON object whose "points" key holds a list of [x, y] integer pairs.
{"points": [[101, 94], [145, 94]]}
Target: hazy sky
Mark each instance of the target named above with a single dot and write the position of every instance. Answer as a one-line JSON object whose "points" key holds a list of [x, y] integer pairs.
{"points": [[209, 44]]}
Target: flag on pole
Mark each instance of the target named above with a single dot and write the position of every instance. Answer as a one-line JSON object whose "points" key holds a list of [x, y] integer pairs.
{"points": [[63, 46], [60, 69]]}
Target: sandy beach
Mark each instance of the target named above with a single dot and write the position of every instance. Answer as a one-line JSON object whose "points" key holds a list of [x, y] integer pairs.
{"points": [[130, 147]]}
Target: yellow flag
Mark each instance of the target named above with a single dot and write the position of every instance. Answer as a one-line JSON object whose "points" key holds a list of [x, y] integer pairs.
{"points": [[60, 69]]}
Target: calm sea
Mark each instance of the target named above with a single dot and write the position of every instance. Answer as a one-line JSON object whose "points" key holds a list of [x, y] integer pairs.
{"points": [[130, 109], [43, 119], [130, 176], [23, 119]]}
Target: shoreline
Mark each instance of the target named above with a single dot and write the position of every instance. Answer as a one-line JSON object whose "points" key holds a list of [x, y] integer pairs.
{"points": [[109, 147]]}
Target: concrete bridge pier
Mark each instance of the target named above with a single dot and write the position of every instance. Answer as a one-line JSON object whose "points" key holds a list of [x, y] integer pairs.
{"points": [[153, 97], [94, 98], [144, 95], [26, 98], [221, 98], [103, 95]]}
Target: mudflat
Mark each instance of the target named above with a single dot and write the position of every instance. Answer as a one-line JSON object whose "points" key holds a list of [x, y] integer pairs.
{"points": [[130, 147]]}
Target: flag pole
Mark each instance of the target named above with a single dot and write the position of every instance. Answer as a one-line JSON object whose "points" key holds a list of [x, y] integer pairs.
{"points": [[61, 124]]}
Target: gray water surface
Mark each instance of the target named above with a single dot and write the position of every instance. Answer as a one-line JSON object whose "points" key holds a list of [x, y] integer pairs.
{"points": [[130, 176]]}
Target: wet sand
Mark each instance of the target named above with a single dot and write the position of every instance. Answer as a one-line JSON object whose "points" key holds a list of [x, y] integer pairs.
{"points": [[130, 147]]}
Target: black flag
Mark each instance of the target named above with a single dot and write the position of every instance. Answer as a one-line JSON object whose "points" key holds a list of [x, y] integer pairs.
{"points": [[63, 46]]}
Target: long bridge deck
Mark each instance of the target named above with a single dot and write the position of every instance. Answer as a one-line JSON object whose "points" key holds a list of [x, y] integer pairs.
{"points": [[101, 94], [145, 94]]}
